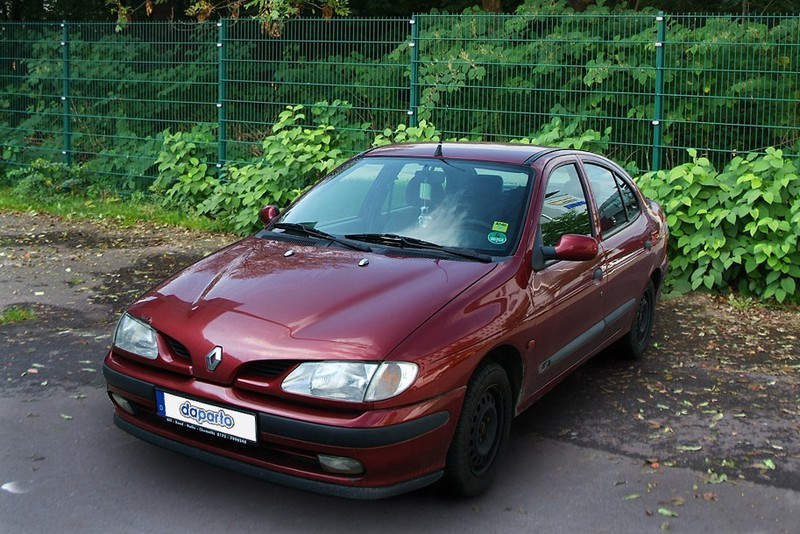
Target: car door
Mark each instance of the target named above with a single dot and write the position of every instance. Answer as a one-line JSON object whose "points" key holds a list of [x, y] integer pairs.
{"points": [[566, 321], [624, 235]]}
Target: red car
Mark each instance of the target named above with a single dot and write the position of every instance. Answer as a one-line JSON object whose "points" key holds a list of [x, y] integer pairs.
{"points": [[383, 331]]}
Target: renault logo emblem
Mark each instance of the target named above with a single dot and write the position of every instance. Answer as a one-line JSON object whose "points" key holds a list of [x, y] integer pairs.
{"points": [[214, 358]]}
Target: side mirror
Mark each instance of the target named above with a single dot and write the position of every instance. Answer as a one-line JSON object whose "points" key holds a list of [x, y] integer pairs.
{"points": [[268, 213], [572, 247]]}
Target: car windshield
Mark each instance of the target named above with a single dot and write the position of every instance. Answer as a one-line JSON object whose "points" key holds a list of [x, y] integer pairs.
{"points": [[469, 205]]}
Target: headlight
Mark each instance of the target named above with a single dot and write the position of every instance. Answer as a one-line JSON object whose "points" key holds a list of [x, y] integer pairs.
{"points": [[351, 381], [135, 336]]}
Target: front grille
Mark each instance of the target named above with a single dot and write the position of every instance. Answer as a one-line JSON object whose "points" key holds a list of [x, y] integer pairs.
{"points": [[178, 349], [269, 368]]}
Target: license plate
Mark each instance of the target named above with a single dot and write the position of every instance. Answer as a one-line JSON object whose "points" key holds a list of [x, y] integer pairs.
{"points": [[217, 421]]}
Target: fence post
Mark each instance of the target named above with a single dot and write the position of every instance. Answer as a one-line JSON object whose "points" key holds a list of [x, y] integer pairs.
{"points": [[414, 95], [659, 101], [221, 96], [66, 119]]}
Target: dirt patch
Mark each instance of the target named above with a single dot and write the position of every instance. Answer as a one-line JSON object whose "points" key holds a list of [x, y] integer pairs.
{"points": [[120, 288], [78, 276], [48, 260], [717, 391]]}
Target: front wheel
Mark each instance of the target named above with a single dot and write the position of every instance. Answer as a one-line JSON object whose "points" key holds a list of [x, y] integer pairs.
{"points": [[482, 432], [635, 342]]}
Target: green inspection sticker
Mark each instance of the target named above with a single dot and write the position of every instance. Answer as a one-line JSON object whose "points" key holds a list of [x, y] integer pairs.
{"points": [[500, 226], [497, 238]]}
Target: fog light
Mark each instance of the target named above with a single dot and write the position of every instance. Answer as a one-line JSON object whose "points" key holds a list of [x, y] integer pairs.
{"points": [[340, 465], [123, 403]]}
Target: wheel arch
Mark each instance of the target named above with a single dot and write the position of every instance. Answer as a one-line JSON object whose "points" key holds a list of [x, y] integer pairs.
{"points": [[657, 278], [510, 360]]}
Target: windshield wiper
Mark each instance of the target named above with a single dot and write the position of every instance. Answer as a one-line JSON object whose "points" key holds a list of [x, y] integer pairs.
{"points": [[401, 241], [308, 231]]}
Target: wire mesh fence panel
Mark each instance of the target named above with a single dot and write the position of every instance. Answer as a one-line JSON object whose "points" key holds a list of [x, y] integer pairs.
{"points": [[31, 110], [358, 63], [641, 88], [505, 77], [127, 88], [733, 85]]}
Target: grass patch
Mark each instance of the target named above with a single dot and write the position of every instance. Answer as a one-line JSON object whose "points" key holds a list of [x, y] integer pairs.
{"points": [[16, 314], [125, 212]]}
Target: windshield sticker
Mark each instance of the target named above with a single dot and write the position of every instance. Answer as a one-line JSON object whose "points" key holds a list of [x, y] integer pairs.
{"points": [[500, 226], [497, 238]]}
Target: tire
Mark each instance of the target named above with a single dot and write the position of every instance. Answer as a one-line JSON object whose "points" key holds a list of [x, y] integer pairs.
{"points": [[482, 432], [634, 344]]}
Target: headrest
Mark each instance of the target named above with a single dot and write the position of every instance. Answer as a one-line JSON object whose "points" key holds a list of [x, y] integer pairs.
{"points": [[484, 185]]}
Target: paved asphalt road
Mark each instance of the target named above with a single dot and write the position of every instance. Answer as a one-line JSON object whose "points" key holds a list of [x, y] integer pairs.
{"points": [[64, 467]]}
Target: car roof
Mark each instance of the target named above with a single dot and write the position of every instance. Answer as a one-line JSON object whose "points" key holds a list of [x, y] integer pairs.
{"points": [[494, 152]]}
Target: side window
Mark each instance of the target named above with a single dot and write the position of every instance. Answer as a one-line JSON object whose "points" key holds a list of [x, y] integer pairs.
{"points": [[608, 197], [629, 198], [564, 210]]}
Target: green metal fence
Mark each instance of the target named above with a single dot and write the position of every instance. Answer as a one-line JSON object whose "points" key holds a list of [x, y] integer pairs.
{"points": [[650, 86], [719, 84]]}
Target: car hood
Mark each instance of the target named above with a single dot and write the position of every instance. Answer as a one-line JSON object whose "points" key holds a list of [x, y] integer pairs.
{"points": [[263, 299]]}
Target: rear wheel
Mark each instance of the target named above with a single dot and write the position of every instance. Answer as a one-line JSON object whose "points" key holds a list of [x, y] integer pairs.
{"points": [[635, 342], [482, 432]]}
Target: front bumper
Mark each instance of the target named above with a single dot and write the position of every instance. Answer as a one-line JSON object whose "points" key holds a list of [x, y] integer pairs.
{"points": [[397, 458]]}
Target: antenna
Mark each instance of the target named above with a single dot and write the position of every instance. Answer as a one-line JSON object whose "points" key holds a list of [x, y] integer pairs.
{"points": [[438, 153]]}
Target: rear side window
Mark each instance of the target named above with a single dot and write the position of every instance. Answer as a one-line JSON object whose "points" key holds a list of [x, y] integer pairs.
{"points": [[629, 198], [607, 195]]}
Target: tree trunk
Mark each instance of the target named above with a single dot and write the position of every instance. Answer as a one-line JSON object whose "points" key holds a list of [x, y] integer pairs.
{"points": [[14, 9], [580, 5], [492, 6]]}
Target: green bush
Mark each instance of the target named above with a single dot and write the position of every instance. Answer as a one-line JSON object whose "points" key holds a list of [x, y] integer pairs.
{"points": [[293, 158], [408, 134], [44, 180], [186, 172], [735, 229]]}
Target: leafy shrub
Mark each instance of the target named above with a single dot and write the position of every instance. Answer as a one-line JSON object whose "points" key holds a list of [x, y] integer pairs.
{"points": [[555, 133], [186, 172], [45, 180], [125, 168], [293, 157], [738, 228], [408, 134]]}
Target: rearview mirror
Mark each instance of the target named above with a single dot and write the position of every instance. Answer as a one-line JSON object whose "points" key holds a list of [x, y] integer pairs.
{"points": [[268, 213], [572, 247]]}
